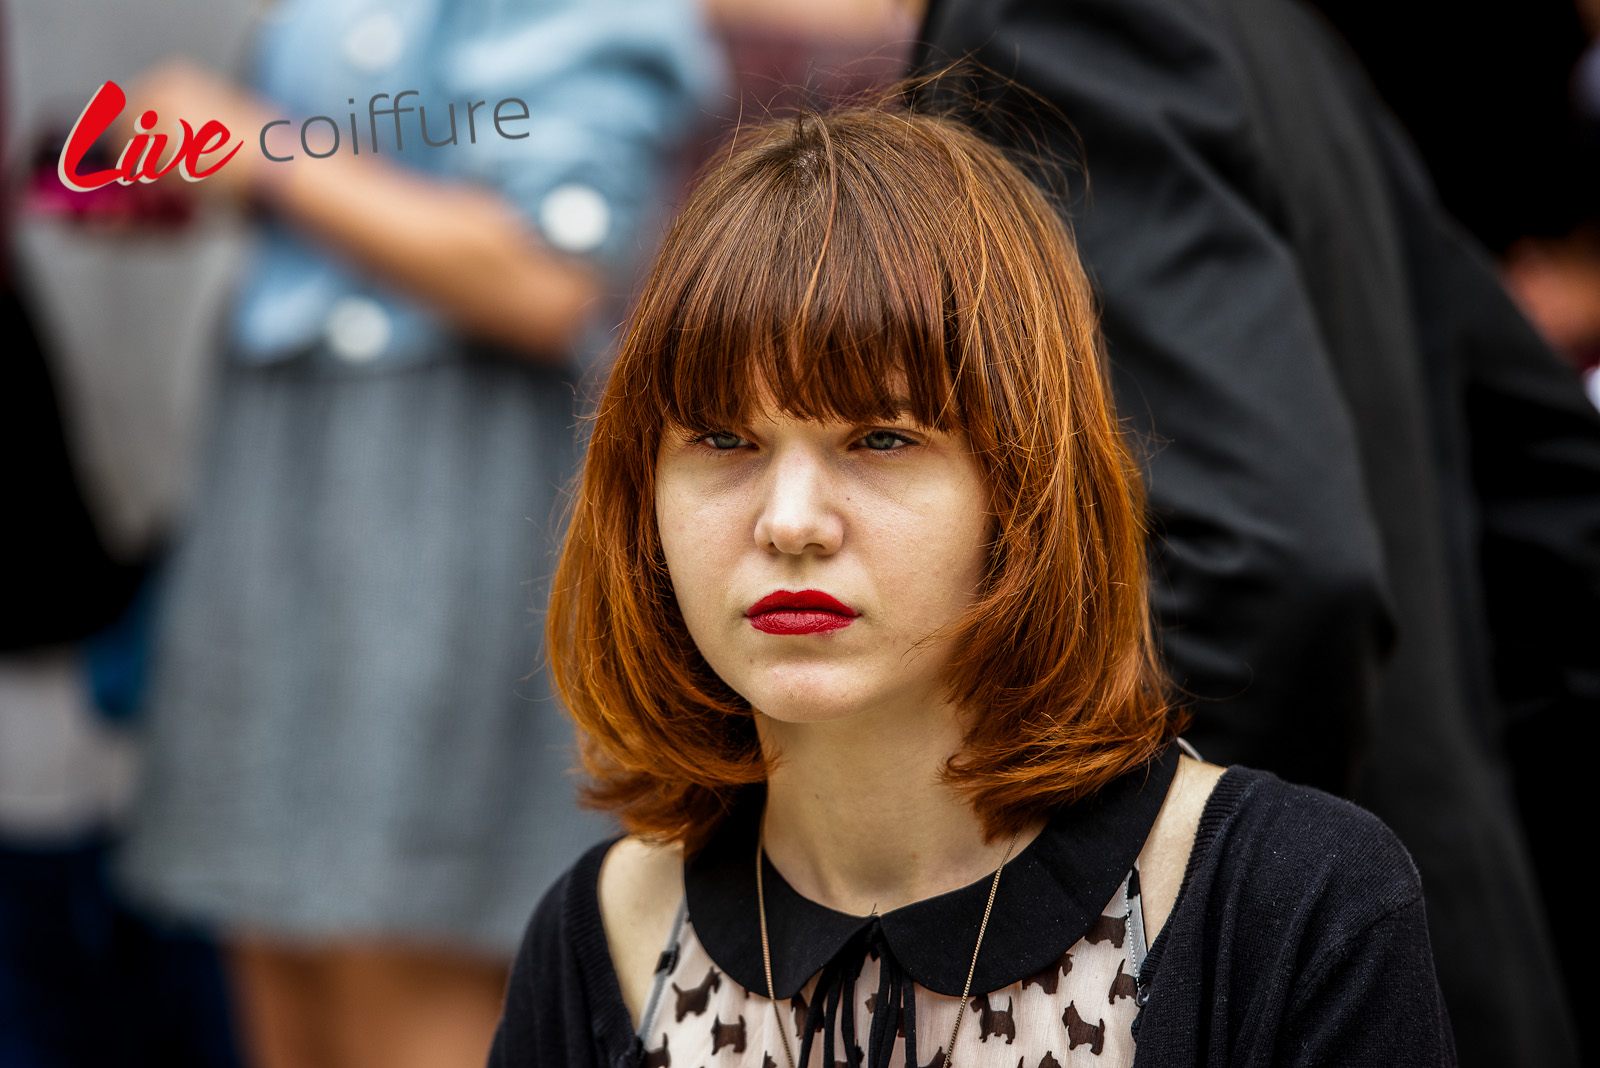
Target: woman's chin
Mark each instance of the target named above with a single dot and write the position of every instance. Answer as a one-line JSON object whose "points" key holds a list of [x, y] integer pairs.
{"points": [[807, 711], [806, 699], [817, 703], [824, 690]]}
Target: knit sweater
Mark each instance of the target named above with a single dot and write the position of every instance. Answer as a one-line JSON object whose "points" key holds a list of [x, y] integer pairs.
{"points": [[1298, 938]]}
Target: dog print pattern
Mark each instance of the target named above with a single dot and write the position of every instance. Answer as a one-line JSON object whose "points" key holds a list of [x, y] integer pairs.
{"points": [[1075, 1013]]}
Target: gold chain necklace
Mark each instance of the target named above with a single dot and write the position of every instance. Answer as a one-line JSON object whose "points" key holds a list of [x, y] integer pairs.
{"points": [[966, 989]]}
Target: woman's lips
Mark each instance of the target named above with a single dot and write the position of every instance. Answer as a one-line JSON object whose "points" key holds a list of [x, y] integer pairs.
{"points": [[806, 612]]}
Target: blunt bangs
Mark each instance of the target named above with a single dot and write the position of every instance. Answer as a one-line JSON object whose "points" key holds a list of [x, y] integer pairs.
{"points": [[827, 285]]}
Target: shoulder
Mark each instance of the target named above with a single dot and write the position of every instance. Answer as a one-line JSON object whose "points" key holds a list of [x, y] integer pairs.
{"points": [[562, 1002], [1300, 926], [1164, 858], [1231, 842], [1303, 857], [640, 888], [1300, 824]]}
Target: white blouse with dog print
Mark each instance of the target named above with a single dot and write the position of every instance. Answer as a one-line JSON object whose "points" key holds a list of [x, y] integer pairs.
{"points": [[1077, 1011]]}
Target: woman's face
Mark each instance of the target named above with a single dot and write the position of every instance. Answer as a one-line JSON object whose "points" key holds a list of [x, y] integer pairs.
{"points": [[811, 560]]}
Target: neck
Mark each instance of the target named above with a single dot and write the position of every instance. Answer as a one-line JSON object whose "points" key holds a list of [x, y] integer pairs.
{"points": [[857, 817]]}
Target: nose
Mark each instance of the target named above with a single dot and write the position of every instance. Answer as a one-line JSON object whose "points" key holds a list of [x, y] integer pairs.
{"points": [[798, 513]]}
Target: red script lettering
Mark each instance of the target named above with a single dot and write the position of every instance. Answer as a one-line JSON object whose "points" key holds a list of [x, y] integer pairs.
{"points": [[140, 158]]}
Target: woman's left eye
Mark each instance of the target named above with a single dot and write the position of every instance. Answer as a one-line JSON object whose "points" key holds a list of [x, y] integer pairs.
{"points": [[721, 440], [884, 440]]}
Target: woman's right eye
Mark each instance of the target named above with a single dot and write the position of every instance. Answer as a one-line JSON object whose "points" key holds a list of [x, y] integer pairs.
{"points": [[722, 440]]}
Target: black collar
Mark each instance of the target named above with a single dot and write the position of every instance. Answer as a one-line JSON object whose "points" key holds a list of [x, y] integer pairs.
{"points": [[1049, 895]]}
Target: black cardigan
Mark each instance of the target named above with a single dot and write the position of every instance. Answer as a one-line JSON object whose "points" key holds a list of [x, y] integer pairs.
{"points": [[1298, 939]]}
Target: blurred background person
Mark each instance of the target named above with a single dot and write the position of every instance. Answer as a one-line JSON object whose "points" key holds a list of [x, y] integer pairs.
{"points": [[1366, 471], [106, 301], [354, 768], [784, 54], [73, 649], [1503, 103]]}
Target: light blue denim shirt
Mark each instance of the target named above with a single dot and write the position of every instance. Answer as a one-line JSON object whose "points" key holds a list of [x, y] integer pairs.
{"points": [[609, 87]]}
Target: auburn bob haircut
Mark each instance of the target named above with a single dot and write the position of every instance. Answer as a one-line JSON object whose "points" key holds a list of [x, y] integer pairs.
{"points": [[837, 263]]}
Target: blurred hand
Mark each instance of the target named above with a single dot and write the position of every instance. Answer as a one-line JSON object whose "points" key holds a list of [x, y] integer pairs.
{"points": [[849, 19], [1589, 12], [461, 249], [1557, 283], [181, 89]]}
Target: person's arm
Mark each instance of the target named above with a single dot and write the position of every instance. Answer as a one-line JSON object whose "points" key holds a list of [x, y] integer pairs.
{"points": [[534, 1025], [562, 1003], [1266, 563], [1370, 999], [459, 248], [1533, 444]]}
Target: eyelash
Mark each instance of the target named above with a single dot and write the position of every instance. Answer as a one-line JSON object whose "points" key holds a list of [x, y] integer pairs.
{"points": [[906, 440], [699, 438]]}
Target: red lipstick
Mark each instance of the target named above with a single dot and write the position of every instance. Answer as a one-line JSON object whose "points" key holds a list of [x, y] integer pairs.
{"points": [[806, 612]]}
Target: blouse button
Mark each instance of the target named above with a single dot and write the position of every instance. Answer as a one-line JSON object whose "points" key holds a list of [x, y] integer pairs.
{"points": [[375, 42], [574, 218], [357, 329]]}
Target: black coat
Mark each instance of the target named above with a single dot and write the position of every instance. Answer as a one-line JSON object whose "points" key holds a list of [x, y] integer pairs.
{"points": [[1361, 459]]}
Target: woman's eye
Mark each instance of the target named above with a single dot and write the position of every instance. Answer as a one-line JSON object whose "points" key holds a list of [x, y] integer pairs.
{"points": [[723, 440], [884, 440]]}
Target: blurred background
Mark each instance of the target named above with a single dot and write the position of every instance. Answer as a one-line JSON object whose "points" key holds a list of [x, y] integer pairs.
{"points": [[217, 400], [1503, 103]]}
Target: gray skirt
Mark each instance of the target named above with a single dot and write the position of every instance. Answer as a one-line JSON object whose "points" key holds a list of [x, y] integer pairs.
{"points": [[351, 733]]}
